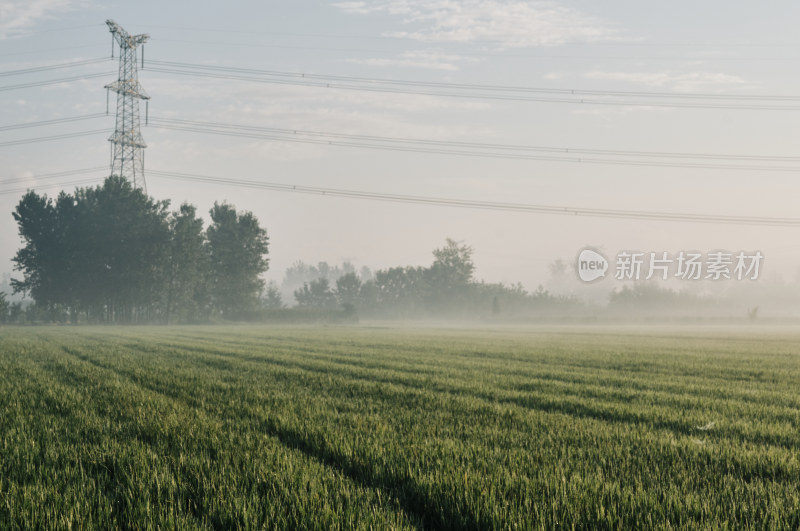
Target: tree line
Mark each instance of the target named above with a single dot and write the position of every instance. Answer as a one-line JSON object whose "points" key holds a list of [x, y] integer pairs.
{"points": [[112, 254], [445, 289]]}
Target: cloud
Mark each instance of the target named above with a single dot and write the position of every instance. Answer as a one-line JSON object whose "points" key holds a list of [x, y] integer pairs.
{"points": [[508, 23], [17, 16], [427, 59], [674, 81]]}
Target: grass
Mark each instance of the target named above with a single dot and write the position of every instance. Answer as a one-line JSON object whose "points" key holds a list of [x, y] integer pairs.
{"points": [[358, 427]]}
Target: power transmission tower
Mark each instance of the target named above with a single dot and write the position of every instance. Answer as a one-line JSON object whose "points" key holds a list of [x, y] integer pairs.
{"points": [[127, 142]]}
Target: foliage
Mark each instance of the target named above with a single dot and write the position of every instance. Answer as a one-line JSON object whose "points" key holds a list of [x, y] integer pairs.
{"points": [[237, 253], [5, 306], [187, 295], [316, 294], [100, 251], [272, 297], [300, 273], [649, 299], [444, 289], [112, 254], [348, 288]]}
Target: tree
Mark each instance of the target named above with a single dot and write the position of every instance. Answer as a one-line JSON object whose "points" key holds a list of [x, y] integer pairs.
{"points": [[15, 312], [272, 297], [450, 276], [187, 265], [40, 258], [316, 294], [4, 307], [348, 288], [365, 273], [400, 290], [453, 265], [299, 273], [100, 251], [111, 253], [120, 240], [238, 249]]}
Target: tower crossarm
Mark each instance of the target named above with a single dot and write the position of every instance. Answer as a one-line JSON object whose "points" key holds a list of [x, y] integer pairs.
{"points": [[129, 87], [124, 39]]}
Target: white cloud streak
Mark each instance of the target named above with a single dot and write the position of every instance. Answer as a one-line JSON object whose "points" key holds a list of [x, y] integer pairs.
{"points": [[18, 16], [674, 81], [506, 23], [424, 59]]}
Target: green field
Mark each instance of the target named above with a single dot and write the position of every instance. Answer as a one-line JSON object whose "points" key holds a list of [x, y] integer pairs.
{"points": [[367, 427]]}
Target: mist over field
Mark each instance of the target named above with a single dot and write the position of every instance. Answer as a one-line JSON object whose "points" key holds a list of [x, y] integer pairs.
{"points": [[446, 290]]}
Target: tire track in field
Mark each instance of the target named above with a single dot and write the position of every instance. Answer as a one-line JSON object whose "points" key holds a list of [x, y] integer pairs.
{"points": [[411, 495], [560, 401], [545, 404], [315, 446], [284, 436], [405, 491], [571, 373], [397, 487], [571, 404], [663, 393]]}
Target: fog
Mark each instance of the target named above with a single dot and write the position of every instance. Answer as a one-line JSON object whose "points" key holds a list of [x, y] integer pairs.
{"points": [[411, 292]]}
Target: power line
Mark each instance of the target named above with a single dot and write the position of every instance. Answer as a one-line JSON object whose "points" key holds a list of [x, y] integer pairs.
{"points": [[423, 200], [54, 81], [472, 53], [41, 176], [487, 145], [49, 186], [36, 69], [48, 176], [291, 47], [51, 122], [485, 205], [283, 33], [54, 137], [477, 149], [55, 30], [473, 95], [48, 50], [490, 92], [472, 86]]}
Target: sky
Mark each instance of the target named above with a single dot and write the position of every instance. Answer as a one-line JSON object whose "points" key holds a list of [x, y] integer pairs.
{"points": [[613, 90]]}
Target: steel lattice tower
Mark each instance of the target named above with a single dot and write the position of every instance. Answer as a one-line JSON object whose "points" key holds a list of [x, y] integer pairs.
{"points": [[127, 142]]}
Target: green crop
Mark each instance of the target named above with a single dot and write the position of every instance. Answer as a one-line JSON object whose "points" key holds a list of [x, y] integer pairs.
{"points": [[356, 427]]}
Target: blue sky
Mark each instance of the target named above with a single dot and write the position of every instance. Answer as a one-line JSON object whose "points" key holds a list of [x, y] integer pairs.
{"points": [[711, 49]]}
